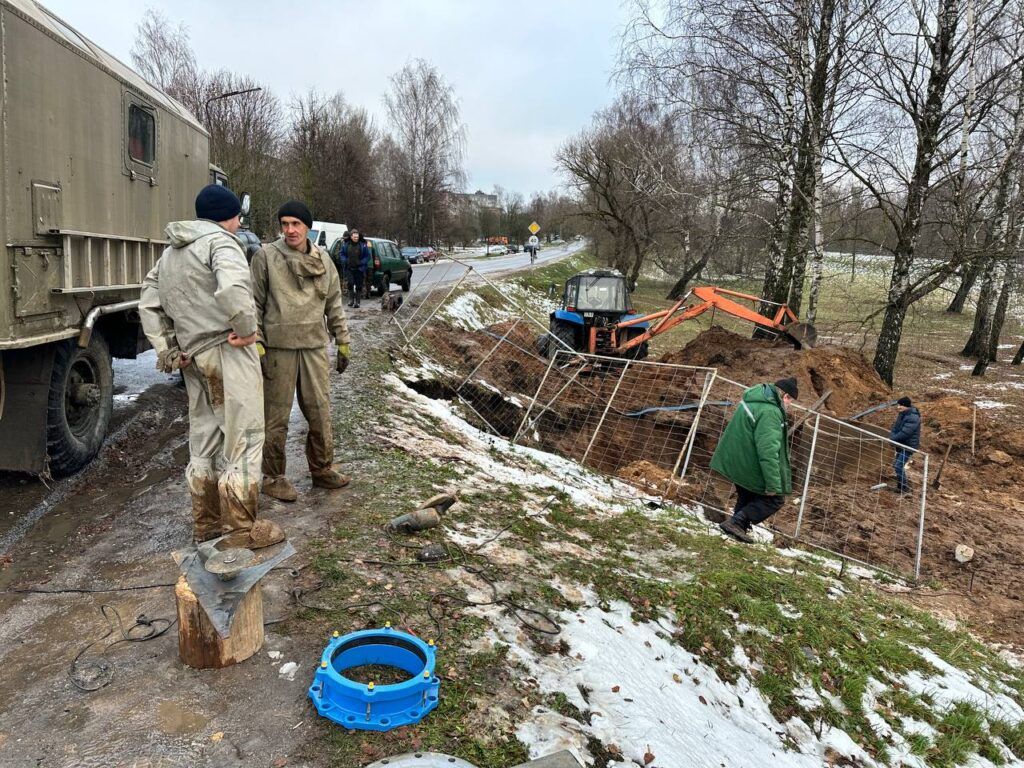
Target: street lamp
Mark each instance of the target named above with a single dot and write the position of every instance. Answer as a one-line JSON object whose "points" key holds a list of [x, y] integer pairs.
{"points": [[227, 95]]}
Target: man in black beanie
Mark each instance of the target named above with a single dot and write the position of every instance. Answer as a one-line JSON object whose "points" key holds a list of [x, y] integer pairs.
{"points": [[197, 311], [296, 287], [906, 433], [753, 453]]}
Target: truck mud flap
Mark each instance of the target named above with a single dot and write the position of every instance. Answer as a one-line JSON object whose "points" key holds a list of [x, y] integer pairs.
{"points": [[24, 391]]}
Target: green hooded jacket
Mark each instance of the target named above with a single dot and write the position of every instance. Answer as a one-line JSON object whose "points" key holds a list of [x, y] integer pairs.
{"points": [[753, 452]]}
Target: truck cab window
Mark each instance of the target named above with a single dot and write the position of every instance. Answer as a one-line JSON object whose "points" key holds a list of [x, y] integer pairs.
{"points": [[141, 135]]}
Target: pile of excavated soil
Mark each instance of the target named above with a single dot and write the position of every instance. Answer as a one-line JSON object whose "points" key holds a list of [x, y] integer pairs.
{"points": [[854, 384]]}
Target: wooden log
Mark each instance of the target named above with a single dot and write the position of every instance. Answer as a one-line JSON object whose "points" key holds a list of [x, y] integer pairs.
{"points": [[200, 646]]}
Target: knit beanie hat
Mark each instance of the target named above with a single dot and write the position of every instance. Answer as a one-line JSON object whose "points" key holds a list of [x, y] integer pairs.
{"points": [[904, 401], [788, 386], [297, 210], [217, 203]]}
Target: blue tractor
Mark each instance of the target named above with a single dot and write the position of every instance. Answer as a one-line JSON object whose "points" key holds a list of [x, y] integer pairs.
{"points": [[594, 303]]}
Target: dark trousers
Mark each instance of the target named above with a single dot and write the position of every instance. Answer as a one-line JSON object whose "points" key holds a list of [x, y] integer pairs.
{"points": [[752, 508], [898, 464], [355, 282]]}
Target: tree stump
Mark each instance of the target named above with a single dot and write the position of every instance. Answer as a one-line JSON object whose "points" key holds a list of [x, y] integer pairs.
{"points": [[200, 646]]}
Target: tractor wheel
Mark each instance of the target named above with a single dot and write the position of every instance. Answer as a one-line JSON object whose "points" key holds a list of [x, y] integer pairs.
{"points": [[639, 352], [80, 404], [561, 336]]}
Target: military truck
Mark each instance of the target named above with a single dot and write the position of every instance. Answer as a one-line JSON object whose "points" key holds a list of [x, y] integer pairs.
{"points": [[94, 161]]}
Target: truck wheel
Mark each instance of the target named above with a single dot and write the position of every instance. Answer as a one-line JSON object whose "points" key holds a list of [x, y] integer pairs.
{"points": [[560, 332], [80, 402]]}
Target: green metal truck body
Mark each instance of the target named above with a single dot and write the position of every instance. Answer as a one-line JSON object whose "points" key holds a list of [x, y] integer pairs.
{"points": [[94, 161]]}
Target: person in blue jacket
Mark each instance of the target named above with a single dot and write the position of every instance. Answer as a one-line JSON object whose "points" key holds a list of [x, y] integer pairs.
{"points": [[906, 433], [354, 258]]}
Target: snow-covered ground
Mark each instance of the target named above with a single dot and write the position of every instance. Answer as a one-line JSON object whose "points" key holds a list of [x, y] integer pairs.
{"points": [[646, 697]]}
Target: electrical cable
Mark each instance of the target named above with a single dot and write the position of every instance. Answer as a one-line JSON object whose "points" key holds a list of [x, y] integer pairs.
{"points": [[93, 674]]}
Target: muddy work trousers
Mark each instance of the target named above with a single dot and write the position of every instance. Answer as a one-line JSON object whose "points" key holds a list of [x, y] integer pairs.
{"points": [[752, 508], [225, 439], [287, 372]]}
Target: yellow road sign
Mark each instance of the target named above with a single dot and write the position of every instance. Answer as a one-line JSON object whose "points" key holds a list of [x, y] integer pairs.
{"points": [[534, 228]]}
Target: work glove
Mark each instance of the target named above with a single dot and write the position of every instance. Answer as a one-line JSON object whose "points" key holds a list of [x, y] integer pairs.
{"points": [[344, 350], [171, 360], [262, 352]]}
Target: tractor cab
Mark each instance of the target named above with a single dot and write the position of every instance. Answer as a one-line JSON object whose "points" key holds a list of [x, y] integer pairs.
{"points": [[593, 304], [599, 292]]}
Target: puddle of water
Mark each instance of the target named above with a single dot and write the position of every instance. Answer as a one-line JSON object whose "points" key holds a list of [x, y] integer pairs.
{"points": [[177, 720]]}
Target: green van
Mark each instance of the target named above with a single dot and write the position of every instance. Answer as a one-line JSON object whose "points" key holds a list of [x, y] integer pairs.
{"points": [[387, 265]]}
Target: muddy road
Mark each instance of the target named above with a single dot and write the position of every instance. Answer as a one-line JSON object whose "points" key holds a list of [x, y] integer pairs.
{"points": [[103, 538]]}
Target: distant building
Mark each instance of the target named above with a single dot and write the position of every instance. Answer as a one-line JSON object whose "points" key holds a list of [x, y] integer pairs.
{"points": [[477, 200]]}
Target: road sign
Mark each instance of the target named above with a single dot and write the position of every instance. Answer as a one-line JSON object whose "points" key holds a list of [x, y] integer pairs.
{"points": [[534, 228], [533, 241]]}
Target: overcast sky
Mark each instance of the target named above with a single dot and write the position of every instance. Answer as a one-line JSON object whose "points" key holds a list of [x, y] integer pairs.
{"points": [[528, 73]]}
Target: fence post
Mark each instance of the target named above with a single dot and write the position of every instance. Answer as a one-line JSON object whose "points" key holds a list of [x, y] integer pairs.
{"points": [[691, 437], [920, 524], [533, 402], [807, 477], [607, 408], [434, 312]]}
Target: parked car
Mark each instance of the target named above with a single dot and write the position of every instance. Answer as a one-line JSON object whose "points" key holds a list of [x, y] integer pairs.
{"points": [[388, 265], [414, 255], [429, 253], [513, 248], [250, 243], [497, 250]]}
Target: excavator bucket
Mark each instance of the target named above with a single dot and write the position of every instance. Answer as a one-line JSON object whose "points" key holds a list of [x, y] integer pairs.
{"points": [[802, 335]]}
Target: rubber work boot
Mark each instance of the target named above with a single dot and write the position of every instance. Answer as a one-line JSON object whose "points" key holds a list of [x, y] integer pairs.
{"points": [[736, 531], [329, 478], [280, 488], [264, 533]]}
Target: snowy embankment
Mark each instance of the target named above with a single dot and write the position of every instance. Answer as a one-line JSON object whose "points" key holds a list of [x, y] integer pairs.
{"points": [[633, 692]]}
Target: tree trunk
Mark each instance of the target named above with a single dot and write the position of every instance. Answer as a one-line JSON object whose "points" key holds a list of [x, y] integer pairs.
{"points": [[977, 343], [888, 346], [968, 276], [817, 256], [1005, 292], [691, 273]]}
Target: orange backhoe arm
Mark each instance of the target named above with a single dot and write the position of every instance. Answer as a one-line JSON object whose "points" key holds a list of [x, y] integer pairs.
{"points": [[710, 298]]}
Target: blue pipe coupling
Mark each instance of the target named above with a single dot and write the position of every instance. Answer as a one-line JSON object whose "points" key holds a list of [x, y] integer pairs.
{"points": [[371, 706]]}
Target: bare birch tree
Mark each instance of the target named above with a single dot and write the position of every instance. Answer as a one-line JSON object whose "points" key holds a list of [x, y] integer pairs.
{"points": [[428, 133]]}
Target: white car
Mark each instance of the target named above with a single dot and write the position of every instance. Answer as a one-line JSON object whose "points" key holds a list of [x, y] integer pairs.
{"points": [[497, 250]]}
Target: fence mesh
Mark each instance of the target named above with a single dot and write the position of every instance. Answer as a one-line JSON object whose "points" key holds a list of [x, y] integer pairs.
{"points": [[655, 425]]}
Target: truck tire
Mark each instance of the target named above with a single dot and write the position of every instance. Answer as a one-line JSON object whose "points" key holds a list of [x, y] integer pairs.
{"points": [[81, 400], [560, 332]]}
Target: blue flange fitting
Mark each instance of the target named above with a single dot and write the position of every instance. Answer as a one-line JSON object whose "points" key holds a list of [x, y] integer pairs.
{"points": [[370, 706]]}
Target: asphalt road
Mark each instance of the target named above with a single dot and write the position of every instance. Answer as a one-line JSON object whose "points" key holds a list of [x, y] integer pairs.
{"points": [[448, 271]]}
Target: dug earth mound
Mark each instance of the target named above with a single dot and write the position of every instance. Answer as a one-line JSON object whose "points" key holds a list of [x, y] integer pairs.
{"points": [[497, 373]]}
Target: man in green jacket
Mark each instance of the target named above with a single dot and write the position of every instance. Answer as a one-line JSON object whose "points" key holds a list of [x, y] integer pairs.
{"points": [[754, 454]]}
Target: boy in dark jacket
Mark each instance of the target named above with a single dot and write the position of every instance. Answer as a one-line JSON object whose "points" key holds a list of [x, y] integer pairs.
{"points": [[753, 453], [906, 433]]}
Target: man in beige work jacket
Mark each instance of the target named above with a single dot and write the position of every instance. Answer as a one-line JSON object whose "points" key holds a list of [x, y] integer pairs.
{"points": [[197, 311], [296, 287]]}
